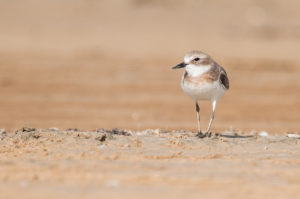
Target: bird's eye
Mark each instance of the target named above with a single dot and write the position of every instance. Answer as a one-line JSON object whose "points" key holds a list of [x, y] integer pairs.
{"points": [[197, 59]]}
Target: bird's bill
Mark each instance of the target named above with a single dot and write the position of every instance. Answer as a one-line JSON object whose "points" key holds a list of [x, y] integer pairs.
{"points": [[181, 65]]}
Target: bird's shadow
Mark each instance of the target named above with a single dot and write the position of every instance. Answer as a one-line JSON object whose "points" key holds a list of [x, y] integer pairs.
{"points": [[236, 136]]}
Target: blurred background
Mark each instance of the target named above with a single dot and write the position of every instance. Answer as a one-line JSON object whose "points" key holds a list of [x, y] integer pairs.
{"points": [[91, 64]]}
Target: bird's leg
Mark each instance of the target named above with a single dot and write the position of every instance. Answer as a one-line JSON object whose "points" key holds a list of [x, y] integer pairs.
{"points": [[208, 133], [199, 134], [198, 116]]}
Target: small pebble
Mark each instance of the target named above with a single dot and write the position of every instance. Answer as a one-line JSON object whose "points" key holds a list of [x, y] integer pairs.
{"points": [[53, 129], [263, 134], [2, 133], [101, 146], [293, 135]]}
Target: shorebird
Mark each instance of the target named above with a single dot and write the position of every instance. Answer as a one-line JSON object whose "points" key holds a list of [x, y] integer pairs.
{"points": [[203, 79]]}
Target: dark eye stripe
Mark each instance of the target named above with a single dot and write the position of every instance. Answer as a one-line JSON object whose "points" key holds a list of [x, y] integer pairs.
{"points": [[197, 59]]}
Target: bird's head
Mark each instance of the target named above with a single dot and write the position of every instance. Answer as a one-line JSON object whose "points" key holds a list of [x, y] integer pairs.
{"points": [[195, 59]]}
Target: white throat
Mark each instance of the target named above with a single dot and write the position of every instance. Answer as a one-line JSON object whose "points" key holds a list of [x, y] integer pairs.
{"points": [[194, 71]]}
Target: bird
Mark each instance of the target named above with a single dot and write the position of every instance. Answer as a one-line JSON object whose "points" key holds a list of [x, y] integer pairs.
{"points": [[203, 79]]}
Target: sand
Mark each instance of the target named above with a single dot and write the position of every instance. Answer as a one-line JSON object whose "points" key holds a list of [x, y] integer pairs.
{"points": [[92, 65], [50, 163]]}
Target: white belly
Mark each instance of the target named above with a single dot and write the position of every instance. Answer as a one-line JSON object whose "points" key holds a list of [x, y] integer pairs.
{"points": [[204, 90]]}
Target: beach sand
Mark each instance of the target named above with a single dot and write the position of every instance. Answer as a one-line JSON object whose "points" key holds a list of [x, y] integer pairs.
{"points": [[91, 65], [49, 163]]}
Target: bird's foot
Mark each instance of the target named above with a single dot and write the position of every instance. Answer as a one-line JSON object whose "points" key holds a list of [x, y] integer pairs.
{"points": [[209, 134], [200, 135], [203, 135]]}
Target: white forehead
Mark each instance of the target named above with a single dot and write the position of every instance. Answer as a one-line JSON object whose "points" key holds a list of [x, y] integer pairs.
{"points": [[192, 55]]}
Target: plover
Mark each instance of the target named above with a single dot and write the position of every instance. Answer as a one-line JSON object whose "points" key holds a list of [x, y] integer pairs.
{"points": [[203, 79]]}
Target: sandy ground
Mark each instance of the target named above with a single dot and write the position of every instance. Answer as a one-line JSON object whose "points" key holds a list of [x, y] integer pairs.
{"points": [[89, 65], [48, 163]]}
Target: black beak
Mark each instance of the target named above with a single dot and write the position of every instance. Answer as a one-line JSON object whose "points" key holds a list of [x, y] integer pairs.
{"points": [[181, 65]]}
